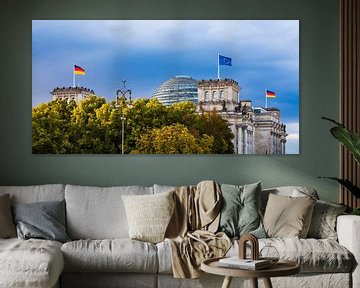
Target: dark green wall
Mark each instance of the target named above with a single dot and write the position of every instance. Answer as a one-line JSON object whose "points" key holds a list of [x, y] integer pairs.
{"points": [[318, 96]]}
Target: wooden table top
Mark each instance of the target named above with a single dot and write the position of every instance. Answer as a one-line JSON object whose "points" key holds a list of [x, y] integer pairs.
{"points": [[281, 268]]}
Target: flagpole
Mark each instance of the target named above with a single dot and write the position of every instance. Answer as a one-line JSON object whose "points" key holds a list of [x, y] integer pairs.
{"points": [[266, 101], [218, 65], [73, 74]]}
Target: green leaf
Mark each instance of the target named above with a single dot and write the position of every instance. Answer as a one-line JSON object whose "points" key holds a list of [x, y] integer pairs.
{"points": [[348, 138]]}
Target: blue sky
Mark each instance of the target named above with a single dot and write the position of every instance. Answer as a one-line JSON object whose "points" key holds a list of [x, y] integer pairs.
{"points": [[265, 55]]}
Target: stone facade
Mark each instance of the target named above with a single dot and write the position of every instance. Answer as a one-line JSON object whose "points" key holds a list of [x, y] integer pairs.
{"points": [[71, 93], [256, 130], [270, 135]]}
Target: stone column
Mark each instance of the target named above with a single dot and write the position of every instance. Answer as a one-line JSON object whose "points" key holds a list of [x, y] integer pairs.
{"points": [[235, 140], [245, 142], [253, 140], [239, 140]]}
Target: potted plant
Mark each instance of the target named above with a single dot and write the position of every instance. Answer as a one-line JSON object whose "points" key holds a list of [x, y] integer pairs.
{"points": [[351, 141]]}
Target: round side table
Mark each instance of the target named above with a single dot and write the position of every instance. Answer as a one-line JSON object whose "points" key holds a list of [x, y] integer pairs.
{"points": [[281, 268]]}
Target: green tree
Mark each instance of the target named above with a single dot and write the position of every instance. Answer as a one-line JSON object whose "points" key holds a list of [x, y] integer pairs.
{"points": [[50, 127], [174, 139], [212, 124], [93, 126]]}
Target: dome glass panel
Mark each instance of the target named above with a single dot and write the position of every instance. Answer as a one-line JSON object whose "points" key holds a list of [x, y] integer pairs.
{"points": [[177, 89]]}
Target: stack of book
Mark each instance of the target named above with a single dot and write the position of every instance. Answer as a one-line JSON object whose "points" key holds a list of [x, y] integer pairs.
{"points": [[248, 264]]}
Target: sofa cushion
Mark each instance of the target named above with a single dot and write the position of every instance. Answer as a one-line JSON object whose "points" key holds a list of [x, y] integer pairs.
{"points": [[43, 220], [323, 222], [163, 188], [291, 191], [109, 280], [30, 263], [98, 213], [149, 215], [313, 255], [287, 216], [7, 226], [35, 193], [117, 255], [240, 210]]}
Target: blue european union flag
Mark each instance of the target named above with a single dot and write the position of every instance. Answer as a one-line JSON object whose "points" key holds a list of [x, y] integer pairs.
{"points": [[224, 60]]}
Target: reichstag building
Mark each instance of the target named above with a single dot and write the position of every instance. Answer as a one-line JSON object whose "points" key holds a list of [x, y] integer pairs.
{"points": [[256, 130]]}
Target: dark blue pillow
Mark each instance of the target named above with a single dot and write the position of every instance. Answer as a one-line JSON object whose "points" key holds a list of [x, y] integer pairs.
{"points": [[43, 220]]}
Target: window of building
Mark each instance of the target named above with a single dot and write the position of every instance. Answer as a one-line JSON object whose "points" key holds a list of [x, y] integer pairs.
{"points": [[214, 95], [222, 95], [207, 95]]}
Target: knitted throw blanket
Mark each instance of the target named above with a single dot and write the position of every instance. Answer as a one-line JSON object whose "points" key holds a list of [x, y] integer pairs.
{"points": [[191, 232]]}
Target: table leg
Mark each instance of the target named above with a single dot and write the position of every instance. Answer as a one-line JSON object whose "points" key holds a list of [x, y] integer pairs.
{"points": [[254, 282], [227, 282], [267, 283]]}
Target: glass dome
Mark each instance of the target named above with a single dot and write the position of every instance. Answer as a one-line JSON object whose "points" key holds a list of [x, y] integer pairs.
{"points": [[177, 89]]}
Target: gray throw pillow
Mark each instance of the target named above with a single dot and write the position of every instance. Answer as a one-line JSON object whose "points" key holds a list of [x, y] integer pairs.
{"points": [[323, 222], [7, 226], [240, 213], [44, 220]]}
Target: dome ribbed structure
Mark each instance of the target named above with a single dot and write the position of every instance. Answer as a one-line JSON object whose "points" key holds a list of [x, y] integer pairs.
{"points": [[177, 89]]}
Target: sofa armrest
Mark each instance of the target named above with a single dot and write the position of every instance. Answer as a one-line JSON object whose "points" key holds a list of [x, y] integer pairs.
{"points": [[348, 230]]}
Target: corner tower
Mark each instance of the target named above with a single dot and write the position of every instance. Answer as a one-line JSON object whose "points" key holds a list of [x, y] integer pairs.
{"points": [[218, 95], [222, 96]]}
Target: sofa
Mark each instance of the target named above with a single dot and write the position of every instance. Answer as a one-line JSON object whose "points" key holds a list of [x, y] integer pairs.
{"points": [[100, 253]]}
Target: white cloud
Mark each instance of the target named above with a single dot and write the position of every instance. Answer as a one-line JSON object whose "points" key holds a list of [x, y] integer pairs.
{"points": [[292, 143], [292, 136], [253, 37]]}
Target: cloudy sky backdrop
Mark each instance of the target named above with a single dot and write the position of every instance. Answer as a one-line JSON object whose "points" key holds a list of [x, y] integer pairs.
{"points": [[265, 55]]}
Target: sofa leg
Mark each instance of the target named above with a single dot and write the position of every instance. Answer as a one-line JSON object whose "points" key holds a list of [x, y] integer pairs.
{"points": [[227, 282], [267, 282]]}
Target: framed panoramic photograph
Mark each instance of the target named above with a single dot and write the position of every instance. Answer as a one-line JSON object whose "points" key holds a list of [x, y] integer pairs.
{"points": [[165, 87]]}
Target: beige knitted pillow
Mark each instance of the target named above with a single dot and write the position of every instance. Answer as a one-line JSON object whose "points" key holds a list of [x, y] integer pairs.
{"points": [[288, 217], [149, 215]]}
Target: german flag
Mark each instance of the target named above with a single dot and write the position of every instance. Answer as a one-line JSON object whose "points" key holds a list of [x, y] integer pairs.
{"points": [[78, 70], [270, 94]]}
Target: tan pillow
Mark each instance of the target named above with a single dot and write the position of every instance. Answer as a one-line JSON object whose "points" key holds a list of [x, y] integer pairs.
{"points": [[288, 217], [149, 215], [7, 226]]}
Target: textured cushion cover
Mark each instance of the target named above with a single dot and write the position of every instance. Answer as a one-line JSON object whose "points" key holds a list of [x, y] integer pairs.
{"points": [[149, 215], [31, 263], [163, 188], [7, 226], [287, 216], [291, 191], [323, 222], [34, 193], [109, 280], [313, 255], [117, 255], [240, 213], [98, 212], [44, 220]]}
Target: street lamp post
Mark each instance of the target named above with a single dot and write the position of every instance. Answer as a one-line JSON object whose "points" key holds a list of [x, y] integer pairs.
{"points": [[123, 91]]}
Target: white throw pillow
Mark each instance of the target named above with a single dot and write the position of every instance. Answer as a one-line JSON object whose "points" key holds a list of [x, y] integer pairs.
{"points": [[149, 215]]}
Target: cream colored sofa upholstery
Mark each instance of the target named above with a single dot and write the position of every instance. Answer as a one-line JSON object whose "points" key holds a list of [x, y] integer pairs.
{"points": [[101, 255]]}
